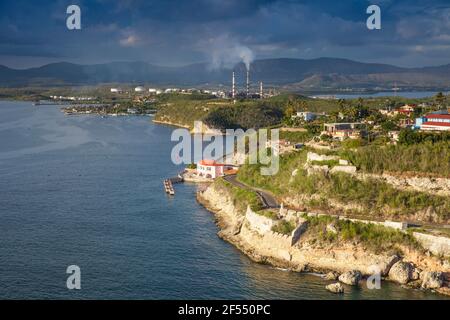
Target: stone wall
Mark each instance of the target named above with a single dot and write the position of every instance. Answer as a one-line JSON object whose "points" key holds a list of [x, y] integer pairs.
{"points": [[345, 169], [259, 223], [435, 244], [311, 156]]}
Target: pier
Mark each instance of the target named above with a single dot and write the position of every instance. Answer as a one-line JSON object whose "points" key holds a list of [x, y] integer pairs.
{"points": [[168, 187], [168, 184]]}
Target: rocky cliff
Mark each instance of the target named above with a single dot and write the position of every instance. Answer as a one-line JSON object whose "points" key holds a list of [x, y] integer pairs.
{"points": [[252, 237]]}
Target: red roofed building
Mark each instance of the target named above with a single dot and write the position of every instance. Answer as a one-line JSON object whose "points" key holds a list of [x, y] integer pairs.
{"points": [[210, 169], [435, 122], [407, 110]]}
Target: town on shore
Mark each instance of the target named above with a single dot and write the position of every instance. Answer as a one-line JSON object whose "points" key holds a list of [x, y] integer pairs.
{"points": [[363, 183]]}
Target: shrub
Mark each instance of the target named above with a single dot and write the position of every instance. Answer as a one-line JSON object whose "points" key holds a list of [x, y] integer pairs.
{"points": [[284, 227]]}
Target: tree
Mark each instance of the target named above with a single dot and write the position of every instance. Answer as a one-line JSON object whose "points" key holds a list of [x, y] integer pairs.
{"points": [[389, 126], [440, 99]]}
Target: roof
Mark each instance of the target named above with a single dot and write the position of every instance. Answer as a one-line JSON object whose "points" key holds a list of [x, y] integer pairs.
{"points": [[231, 171], [210, 163], [437, 124], [437, 116]]}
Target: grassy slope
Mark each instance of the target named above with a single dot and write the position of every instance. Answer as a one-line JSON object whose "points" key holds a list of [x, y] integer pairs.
{"points": [[378, 198]]}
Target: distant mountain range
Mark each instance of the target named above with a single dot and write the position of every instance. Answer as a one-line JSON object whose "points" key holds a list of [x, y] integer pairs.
{"points": [[292, 74]]}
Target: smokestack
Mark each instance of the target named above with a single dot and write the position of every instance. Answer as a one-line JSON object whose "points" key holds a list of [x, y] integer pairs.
{"points": [[248, 82], [261, 90], [233, 87]]}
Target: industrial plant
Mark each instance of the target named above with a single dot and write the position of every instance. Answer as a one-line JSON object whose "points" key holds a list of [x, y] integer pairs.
{"points": [[246, 93]]}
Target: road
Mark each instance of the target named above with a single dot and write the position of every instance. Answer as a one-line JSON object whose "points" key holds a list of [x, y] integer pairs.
{"points": [[267, 199]]}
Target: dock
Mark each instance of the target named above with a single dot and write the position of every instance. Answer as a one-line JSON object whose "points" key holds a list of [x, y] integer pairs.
{"points": [[168, 187], [168, 184]]}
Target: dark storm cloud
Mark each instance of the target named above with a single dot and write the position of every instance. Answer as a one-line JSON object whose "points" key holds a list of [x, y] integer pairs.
{"points": [[414, 32]]}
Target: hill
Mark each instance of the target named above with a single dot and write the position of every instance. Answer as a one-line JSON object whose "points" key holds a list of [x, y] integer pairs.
{"points": [[291, 74]]}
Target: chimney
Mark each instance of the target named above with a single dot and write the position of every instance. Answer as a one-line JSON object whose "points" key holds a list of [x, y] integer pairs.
{"points": [[248, 82], [261, 90], [233, 87]]}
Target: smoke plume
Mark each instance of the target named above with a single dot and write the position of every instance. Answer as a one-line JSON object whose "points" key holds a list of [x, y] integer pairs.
{"points": [[226, 52]]}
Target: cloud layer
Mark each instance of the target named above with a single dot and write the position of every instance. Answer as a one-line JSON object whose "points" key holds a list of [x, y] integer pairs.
{"points": [[414, 32]]}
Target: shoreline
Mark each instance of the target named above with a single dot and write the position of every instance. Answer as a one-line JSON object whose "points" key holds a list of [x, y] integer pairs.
{"points": [[178, 125], [234, 228]]}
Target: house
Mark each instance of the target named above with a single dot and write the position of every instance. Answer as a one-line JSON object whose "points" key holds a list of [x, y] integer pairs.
{"points": [[212, 169], [305, 116], [343, 131], [434, 122], [406, 110], [405, 122], [280, 146]]}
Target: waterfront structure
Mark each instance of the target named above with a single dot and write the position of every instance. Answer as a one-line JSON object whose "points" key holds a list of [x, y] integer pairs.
{"points": [[116, 90], [139, 89], [212, 169], [434, 122]]}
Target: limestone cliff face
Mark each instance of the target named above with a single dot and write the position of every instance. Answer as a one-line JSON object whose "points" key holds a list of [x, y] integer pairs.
{"points": [[252, 237], [271, 248]]}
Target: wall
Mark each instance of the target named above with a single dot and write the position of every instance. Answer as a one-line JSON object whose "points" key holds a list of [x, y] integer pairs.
{"points": [[436, 245], [345, 169], [311, 156], [258, 222]]}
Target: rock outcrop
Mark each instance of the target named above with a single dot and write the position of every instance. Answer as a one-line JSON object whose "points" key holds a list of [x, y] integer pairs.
{"points": [[401, 272], [335, 288], [432, 280], [351, 278], [350, 259], [331, 276]]}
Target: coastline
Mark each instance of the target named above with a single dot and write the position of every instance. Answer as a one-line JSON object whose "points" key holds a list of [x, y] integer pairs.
{"points": [[235, 228], [169, 123]]}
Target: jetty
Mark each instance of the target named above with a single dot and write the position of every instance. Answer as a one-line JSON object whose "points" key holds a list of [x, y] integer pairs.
{"points": [[168, 187], [168, 184]]}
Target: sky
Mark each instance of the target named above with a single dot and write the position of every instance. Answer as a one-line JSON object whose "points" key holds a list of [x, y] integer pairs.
{"points": [[221, 32]]}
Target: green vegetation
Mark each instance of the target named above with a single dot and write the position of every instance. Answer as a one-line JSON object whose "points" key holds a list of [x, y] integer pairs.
{"points": [[284, 227], [410, 137], [268, 214], [428, 158], [374, 237], [296, 136], [374, 197], [183, 111], [329, 163], [244, 116], [241, 197]]}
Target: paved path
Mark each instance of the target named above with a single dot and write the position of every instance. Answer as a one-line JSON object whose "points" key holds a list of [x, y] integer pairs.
{"points": [[267, 199]]}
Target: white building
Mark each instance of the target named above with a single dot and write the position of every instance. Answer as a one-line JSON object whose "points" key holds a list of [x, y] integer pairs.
{"points": [[211, 169], [116, 90], [139, 89], [306, 116]]}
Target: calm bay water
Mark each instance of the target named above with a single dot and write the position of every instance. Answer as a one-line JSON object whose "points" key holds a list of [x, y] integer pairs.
{"points": [[87, 190]]}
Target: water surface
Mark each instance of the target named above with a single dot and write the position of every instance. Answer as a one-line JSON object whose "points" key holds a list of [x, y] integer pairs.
{"points": [[87, 190]]}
